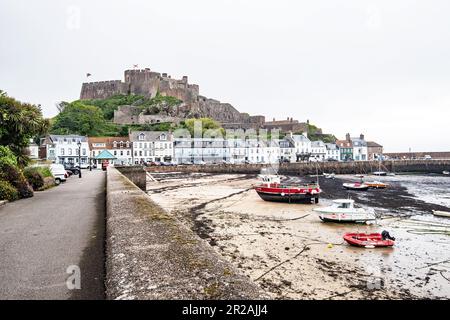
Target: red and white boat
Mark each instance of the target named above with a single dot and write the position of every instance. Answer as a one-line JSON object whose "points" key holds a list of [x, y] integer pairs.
{"points": [[370, 240], [271, 189], [357, 186]]}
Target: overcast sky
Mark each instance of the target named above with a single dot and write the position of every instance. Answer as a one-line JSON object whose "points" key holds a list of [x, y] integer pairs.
{"points": [[381, 68]]}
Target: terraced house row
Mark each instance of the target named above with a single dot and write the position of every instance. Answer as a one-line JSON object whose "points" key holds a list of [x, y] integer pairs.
{"points": [[142, 147]]}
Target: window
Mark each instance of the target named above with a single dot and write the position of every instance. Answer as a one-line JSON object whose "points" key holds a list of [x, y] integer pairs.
{"points": [[70, 151], [115, 152], [84, 152], [115, 144], [121, 152], [141, 137], [163, 137], [128, 144], [121, 144]]}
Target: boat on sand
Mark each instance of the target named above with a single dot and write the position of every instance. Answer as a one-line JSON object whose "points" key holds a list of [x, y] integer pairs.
{"points": [[271, 189], [376, 185], [440, 213], [358, 186], [370, 240], [344, 210]]}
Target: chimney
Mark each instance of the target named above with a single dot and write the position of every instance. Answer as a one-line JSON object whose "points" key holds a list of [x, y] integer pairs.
{"points": [[291, 119], [347, 137], [361, 136], [273, 119]]}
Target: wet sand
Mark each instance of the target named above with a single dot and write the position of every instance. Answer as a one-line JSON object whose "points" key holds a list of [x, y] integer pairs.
{"points": [[291, 254]]}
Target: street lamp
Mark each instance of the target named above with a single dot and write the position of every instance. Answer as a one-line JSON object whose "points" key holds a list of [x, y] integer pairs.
{"points": [[79, 159]]}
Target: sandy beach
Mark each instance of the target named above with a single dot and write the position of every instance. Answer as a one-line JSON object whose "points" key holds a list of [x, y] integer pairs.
{"points": [[291, 254]]}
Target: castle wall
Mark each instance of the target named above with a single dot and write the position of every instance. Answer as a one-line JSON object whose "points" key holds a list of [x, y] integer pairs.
{"points": [[102, 89]]}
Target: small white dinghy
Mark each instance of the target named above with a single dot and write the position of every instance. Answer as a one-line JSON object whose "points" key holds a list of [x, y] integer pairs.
{"points": [[446, 173], [343, 210], [439, 213]]}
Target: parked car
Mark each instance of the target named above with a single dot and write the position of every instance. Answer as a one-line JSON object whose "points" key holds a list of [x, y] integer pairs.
{"points": [[331, 160], [59, 172], [71, 168], [427, 157]]}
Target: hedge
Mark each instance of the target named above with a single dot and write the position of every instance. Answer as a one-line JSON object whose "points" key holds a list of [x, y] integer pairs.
{"points": [[15, 177], [7, 191], [34, 177]]}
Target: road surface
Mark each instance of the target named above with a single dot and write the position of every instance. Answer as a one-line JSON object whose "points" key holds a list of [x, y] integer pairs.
{"points": [[41, 237]]}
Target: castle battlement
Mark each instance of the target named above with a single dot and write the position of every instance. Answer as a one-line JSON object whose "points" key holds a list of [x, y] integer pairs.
{"points": [[148, 83]]}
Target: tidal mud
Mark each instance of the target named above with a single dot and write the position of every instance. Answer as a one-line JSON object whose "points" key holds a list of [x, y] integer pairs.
{"points": [[291, 254]]}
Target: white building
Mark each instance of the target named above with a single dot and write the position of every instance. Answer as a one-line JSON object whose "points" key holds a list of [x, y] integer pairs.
{"points": [[199, 150], [151, 146], [65, 149], [360, 152], [262, 151], [287, 150], [302, 145], [332, 151], [237, 151], [318, 150], [33, 150], [119, 147]]}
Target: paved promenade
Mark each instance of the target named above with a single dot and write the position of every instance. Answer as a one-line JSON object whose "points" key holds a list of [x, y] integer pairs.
{"points": [[41, 237]]}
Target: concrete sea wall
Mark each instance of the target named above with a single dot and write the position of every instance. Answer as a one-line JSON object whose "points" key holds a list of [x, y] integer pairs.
{"points": [[151, 255]]}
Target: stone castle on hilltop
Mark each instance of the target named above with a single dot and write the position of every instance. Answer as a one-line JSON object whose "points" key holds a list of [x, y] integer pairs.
{"points": [[148, 83]]}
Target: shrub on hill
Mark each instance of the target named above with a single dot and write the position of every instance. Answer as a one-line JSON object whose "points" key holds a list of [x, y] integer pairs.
{"points": [[7, 191]]}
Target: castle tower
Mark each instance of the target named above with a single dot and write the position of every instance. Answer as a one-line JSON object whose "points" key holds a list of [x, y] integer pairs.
{"points": [[142, 82]]}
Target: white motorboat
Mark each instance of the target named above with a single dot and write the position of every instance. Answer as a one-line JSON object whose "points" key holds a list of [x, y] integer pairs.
{"points": [[329, 175], [343, 210], [440, 213], [446, 173], [380, 173]]}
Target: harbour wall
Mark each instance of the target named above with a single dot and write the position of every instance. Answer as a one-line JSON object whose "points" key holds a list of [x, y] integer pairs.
{"points": [[302, 168], [152, 255]]}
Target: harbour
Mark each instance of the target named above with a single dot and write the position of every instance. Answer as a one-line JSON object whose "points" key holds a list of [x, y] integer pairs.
{"points": [[291, 254]]}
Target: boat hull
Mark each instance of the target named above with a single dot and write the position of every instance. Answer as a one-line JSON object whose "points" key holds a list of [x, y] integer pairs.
{"points": [[376, 185], [365, 188], [441, 213], [367, 240], [346, 217], [287, 197]]}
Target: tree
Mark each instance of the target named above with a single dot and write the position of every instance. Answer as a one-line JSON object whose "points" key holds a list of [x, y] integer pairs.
{"points": [[19, 122], [78, 118], [206, 123]]}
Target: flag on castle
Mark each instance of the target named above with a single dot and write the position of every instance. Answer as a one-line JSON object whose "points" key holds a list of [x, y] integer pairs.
{"points": [[88, 75], [135, 66]]}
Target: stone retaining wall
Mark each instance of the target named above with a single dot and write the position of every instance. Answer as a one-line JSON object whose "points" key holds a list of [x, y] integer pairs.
{"points": [[151, 255], [301, 168]]}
